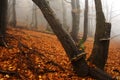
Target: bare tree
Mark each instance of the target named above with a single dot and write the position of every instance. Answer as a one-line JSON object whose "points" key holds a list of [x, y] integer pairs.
{"points": [[64, 16], [9, 10], [34, 17], [75, 55], [67, 42], [85, 21], [3, 20], [102, 34], [75, 19], [12, 13]]}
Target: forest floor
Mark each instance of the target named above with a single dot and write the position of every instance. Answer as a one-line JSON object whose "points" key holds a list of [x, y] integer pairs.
{"points": [[32, 55]]}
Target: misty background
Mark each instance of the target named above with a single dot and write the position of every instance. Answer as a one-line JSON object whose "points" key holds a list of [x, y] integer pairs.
{"points": [[111, 10]]}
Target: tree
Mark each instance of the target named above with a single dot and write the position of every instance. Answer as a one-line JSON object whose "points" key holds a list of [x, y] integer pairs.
{"points": [[3, 19], [9, 10], [3, 16], [66, 41], [76, 56], [34, 16], [85, 21], [75, 19], [102, 34], [12, 13], [64, 17]]}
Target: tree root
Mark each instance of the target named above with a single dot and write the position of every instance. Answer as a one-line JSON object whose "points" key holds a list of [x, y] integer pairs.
{"points": [[99, 74], [55, 64], [3, 42]]}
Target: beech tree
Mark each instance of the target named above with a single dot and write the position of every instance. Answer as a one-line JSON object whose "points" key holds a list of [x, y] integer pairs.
{"points": [[14, 13], [102, 35], [3, 20], [76, 56], [85, 21], [67, 42], [75, 19], [34, 17]]}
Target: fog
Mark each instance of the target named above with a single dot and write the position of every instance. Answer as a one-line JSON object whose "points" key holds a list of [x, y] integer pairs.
{"points": [[111, 10]]}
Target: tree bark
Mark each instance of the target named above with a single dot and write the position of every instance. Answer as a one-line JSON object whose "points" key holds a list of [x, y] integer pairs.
{"points": [[99, 74], [76, 57], [79, 65], [64, 17], [75, 19], [3, 21], [102, 34], [3, 16], [14, 14], [34, 17], [85, 21]]}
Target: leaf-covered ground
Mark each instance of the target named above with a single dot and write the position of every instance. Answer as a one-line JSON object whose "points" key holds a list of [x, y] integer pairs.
{"points": [[34, 55]]}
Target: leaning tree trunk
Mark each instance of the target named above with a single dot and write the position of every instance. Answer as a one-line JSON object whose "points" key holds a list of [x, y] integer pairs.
{"points": [[85, 21], [102, 34], [80, 66], [76, 57], [75, 19]]}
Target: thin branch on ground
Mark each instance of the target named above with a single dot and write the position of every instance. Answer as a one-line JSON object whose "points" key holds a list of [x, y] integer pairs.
{"points": [[11, 73]]}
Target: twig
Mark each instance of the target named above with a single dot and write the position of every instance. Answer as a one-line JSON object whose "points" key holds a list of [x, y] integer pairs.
{"points": [[3, 42], [55, 64], [116, 70], [11, 73]]}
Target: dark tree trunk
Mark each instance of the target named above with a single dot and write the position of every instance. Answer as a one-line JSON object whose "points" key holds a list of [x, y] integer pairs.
{"points": [[3, 21], [14, 14], [75, 19], [76, 57], [85, 21], [9, 10], [102, 34], [80, 66], [3, 16], [99, 74]]}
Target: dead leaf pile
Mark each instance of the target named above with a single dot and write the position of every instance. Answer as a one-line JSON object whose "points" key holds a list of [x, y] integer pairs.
{"points": [[32, 55]]}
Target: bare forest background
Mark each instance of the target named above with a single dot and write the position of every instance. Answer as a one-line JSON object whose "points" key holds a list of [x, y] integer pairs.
{"points": [[26, 11], [75, 39]]}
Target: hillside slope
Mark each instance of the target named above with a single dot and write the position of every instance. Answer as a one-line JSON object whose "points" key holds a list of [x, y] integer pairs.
{"points": [[34, 55]]}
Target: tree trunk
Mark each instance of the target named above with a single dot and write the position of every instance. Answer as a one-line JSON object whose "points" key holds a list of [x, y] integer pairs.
{"points": [[77, 57], [14, 14], [9, 10], [102, 34], [3, 21], [85, 21], [75, 19], [99, 74], [3, 16], [79, 65], [64, 17], [34, 17]]}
